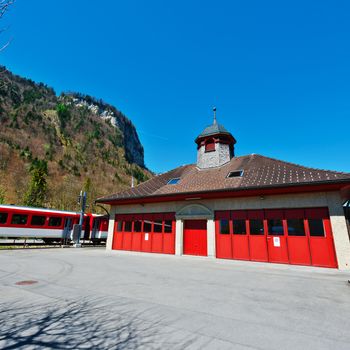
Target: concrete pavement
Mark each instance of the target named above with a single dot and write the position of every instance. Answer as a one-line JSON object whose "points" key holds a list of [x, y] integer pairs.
{"points": [[88, 298]]}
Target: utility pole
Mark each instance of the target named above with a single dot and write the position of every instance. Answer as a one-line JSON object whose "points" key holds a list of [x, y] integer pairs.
{"points": [[82, 201]]}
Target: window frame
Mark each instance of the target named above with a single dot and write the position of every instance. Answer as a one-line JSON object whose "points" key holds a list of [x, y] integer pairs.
{"points": [[209, 145], [38, 216], [6, 217], [19, 224], [54, 217]]}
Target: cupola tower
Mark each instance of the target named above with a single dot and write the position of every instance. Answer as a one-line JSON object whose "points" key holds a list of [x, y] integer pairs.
{"points": [[215, 146]]}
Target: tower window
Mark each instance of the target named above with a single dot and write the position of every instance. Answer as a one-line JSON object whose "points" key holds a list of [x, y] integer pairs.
{"points": [[173, 181], [210, 146], [236, 173]]}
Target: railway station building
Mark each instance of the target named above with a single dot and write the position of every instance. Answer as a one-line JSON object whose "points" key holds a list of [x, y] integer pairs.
{"points": [[236, 207]]}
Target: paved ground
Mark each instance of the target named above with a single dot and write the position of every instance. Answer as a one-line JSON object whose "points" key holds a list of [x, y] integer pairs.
{"points": [[87, 298]]}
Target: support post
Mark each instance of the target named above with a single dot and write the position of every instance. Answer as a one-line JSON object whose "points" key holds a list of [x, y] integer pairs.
{"points": [[179, 230], [211, 246]]}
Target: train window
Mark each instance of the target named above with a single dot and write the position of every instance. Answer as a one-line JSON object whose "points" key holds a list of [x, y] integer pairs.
{"points": [[168, 226], [224, 227], [3, 218], [127, 226], [239, 227], [38, 220], [296, 227], [138, 226], [147, 226], [256, 227], [19, 219], [55, 221], [316, 227], [275, 227], [158, 226]]}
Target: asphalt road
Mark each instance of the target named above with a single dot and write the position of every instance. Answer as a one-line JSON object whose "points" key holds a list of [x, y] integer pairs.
{"points": [[87, 298]]}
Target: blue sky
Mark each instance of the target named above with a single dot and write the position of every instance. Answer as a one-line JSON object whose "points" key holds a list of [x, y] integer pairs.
{"points": [[277, 71]]}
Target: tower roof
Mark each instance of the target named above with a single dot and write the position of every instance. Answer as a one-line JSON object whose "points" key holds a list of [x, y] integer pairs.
{"points": [[214, 129]]}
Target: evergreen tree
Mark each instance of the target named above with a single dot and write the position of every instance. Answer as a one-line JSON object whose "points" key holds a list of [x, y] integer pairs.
{"points": [[36, 194], [2, 195]]}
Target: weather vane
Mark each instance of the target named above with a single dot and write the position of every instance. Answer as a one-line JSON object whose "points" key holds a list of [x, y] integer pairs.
{"points": [[214, 110]]}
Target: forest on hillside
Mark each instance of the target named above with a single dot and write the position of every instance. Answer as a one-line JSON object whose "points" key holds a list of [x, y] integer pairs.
{"points": [[51, 147]]}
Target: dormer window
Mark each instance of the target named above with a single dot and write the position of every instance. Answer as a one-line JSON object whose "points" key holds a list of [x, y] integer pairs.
{"points": [[173, 181], [210, 145], [236, 173]]}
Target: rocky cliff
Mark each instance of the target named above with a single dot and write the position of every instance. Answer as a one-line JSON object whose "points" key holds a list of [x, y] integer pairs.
{"points": [[85, 142]]}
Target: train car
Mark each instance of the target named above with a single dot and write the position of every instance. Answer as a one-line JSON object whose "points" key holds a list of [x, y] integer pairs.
{"points": [[49, 225], [96, 228]]}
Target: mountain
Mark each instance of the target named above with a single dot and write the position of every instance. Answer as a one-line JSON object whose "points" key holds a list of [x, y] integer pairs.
{"points": [[83, 142]]}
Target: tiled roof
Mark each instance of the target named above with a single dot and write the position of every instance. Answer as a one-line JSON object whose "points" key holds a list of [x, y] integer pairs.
{"points": [[258, 172]]}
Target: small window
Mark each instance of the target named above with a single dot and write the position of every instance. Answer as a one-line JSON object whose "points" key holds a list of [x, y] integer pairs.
{"points": [[173, 181], [19, 219], [256, 227], [158, 226], [316, 228], [120, 226], [38, 220], [127, 226], [296, 227], [275, 227], [55, 222], [236, 173], [224, 226], [210, 146], [138, 226], [168, 226], [239, 227], [147, 226], [3, 218]]}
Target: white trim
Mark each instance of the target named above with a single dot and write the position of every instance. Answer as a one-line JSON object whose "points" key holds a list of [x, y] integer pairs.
{"points": [[15, 207], [31, 232]]}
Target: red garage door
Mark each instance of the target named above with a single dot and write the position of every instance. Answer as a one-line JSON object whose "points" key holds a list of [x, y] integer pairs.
{"points": [[294, 236], [195, 237], [145, 233]]}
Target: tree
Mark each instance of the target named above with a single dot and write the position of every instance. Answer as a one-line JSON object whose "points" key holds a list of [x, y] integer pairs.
{"points": [[2, 195], [4, 6], [37, 191]]}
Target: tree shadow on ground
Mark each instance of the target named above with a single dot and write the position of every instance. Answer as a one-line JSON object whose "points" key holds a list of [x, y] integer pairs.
{"points": [[77, 325]]}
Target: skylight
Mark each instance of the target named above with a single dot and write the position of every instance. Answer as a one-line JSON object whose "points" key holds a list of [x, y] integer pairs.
{"points": [[236, 173], [173, 181]]}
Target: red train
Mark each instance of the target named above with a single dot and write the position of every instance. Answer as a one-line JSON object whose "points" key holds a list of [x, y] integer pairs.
{"points": [[49, 225]]}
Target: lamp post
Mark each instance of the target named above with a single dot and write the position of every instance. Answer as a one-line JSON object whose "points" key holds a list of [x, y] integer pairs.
{"points": [[82, 201]]}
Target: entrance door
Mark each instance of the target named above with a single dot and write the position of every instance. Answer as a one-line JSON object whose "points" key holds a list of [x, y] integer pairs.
{"points": [[195, 237], [257, 235], [298, 242], [240, 241], [223, 235], [276, 237], [321, 239], [68, 224]]}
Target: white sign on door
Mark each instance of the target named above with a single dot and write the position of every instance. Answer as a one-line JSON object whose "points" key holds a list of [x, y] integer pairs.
{"points": [[276, 242], [146, 236]]}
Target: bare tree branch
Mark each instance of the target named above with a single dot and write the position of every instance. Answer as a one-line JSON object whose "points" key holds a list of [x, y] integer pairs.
{"points": [[4, 6]]}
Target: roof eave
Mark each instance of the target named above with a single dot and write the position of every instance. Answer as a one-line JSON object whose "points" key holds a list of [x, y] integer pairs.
{"points": [[234, 192]]}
